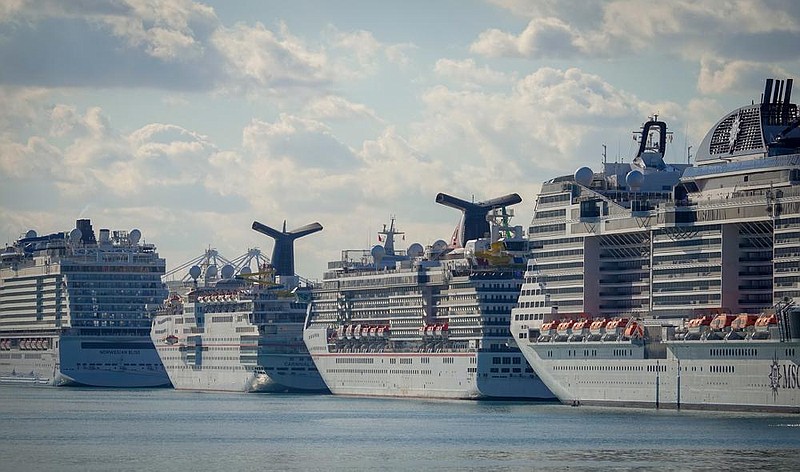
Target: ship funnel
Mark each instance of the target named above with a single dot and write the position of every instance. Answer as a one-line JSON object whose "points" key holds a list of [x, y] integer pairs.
{"points": [[475, 224], [283, 253]]}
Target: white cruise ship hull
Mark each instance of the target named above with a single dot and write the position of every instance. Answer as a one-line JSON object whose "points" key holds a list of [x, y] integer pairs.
{"points": [[280, 373], [713, 375], [91, 361], [446, 375]]}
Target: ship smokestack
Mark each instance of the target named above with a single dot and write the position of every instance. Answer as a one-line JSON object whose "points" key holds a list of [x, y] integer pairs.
{"points": [[283, 252]]}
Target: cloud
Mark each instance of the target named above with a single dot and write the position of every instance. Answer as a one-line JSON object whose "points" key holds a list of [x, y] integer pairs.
{"points": [[175, 45], [543, 37], [756, 30], [332, 107], [717, 76], [466, 73], [306, 142]]}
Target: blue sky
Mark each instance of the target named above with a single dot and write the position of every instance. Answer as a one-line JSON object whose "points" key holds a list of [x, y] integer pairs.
{"points": [[189, 120]]}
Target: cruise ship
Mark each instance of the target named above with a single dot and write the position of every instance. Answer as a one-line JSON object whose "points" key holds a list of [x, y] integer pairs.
{"points": [[73, 309], [673, 286], [426, 322], [240, 332]]}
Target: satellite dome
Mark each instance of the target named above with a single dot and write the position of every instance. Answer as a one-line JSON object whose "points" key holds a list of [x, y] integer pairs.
{"points": [[134, 236], [245, 271], [415, 250], [211, 271], [378, 252], [584, 176], [194, 272], [439, 246], [75, 236], [30, 234], [227, 271], [634, 179]]}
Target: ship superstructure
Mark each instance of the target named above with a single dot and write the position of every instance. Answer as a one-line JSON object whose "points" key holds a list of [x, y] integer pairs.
{"points": [[674, 287], [426, 322], [238, 329], [73, 309]]}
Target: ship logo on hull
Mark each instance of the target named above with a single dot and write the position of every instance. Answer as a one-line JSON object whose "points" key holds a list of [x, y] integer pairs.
{"points": [[775, 377]]}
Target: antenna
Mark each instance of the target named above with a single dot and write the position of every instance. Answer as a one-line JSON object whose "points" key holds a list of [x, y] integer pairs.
{"points": [[604, 154], [283, 252], [689, 155]]}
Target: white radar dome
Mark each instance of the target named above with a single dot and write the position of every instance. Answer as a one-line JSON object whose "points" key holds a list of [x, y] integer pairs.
{"points": [[439, 246], [75, 236], [634, 179], [415, 250], [584, 176], [378, 252]]}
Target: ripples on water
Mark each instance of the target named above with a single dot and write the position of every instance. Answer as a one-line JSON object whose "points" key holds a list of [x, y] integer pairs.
{"points": [[164, 430]]}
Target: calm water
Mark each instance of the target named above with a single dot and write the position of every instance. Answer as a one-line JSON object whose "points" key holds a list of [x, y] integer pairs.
{"points": [[65, 429]]}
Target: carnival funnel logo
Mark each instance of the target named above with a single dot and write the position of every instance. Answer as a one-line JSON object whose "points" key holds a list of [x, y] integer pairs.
{"points": [[775, 376]]}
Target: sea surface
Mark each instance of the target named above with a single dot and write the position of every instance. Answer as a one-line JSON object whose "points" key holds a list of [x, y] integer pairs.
{"points": [[83, 429]]}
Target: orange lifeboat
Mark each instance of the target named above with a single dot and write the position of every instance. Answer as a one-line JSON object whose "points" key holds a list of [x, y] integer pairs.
{"points": [[546, 331], [721, 322], [564, 329], [615, 328], [743, 321], [764, 321], [763, 325], [634, 331]]}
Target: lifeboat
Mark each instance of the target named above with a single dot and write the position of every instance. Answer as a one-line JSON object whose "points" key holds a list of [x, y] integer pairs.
{"points": [[720, 325], [171, 339], [547, 331], [373, 331], [340, 331], [697, 327], [445, 330], [615, 328], [357, 332], [564, 329], [348, 333], [39, 344], [721, 322], [429, 330], [634, 331], [381, 331], [743, 321], [580, 330], [437, 330], [763, 326], [25, 345], [597, 329]]}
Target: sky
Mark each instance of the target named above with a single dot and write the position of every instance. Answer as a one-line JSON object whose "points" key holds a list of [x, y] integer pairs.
{"points": [[190, 120]]}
